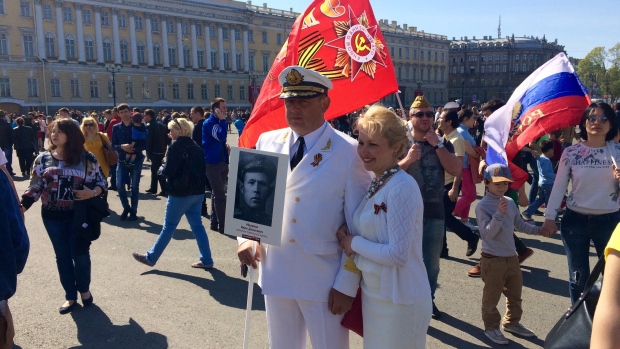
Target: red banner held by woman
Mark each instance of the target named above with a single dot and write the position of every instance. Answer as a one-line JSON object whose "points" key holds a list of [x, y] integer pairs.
{"points": [[340, 39]]}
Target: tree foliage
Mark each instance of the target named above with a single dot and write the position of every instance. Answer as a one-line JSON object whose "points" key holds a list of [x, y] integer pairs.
{"points": [[601, 68]]}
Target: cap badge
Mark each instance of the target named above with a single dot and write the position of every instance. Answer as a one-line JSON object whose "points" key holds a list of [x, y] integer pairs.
{"points": [[294, 77], [317, 158]]}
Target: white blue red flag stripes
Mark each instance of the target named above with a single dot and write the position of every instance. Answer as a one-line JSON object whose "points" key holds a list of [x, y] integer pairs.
{"points": [[551, 98]]}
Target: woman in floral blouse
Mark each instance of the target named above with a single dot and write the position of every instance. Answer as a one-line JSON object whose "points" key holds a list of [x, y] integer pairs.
{"points": [[592, 203], [60, 176]]}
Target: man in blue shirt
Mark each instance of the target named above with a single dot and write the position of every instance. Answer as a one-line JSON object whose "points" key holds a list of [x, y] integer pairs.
{"points": [[214, 132], [121, 142]]}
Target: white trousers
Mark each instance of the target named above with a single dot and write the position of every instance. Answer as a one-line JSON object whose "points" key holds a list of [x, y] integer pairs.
{"points": [[290, 320]]}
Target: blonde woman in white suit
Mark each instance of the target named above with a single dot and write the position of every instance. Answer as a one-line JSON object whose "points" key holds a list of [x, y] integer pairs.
{"points": [[306, 286], [386, 240]]}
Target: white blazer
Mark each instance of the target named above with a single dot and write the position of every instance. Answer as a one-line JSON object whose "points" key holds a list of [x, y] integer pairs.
{"points": [[322, 193]]}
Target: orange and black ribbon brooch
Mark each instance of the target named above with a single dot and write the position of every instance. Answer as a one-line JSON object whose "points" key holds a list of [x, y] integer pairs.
{"points": [[380, 207]]}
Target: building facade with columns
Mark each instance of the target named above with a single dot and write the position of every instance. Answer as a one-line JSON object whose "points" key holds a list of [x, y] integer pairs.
{"points": [[420, 63], [486, 68], [170, 54]]}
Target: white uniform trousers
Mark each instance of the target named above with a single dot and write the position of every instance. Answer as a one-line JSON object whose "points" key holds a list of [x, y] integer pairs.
{"points": [[290, 320]]}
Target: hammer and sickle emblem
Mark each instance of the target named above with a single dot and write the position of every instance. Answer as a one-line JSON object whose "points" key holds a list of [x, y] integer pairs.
{"points": [[360, 43]]}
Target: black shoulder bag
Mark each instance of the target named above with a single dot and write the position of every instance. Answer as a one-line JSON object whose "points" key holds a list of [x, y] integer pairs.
{"points": [[574, 329]]}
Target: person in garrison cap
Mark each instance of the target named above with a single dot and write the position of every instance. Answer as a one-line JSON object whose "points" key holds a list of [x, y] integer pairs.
{"points": [[305, 281], [428, 161], [255, 180]]}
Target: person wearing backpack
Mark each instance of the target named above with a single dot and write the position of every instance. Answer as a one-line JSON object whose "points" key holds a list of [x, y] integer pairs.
{"points": [[184, 172]]}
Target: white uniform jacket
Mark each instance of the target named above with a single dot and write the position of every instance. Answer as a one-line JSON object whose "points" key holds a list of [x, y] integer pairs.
{"points": [[321, 194]]}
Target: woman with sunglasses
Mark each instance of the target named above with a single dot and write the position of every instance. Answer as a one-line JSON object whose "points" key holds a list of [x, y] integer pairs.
{"points": [[592, 204], [95, 142]]}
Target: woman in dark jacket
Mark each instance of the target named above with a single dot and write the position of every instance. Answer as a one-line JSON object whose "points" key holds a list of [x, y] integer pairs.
{"points": [[184, 160], [23, 141], [14, 248]]}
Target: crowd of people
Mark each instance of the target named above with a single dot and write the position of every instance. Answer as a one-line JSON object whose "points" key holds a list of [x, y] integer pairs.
{"points": [[396, 186]]}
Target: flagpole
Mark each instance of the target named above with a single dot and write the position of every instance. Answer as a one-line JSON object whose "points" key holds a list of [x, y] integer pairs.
{"points": [[248, 307], [402, 110]]}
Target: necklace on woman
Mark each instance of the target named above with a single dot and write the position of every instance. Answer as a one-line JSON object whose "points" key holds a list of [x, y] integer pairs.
{"points": [[378, 182]]}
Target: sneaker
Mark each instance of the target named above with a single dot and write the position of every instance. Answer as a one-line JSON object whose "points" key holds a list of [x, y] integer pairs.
{"points": [[142, 259], [125, 214], [519, 330], [528, 253], [592, 243], [472, 246], [471, 226], [526, 217], [201, 265], [538, 213], [496, 336], [475, 271], [436, 313]]}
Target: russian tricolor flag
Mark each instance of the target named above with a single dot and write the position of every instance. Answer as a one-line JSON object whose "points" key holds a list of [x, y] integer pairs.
{"points": [[551, 98]]}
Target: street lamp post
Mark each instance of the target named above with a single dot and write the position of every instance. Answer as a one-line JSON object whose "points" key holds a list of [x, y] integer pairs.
{"points": [[253, 76], [44, 86], [113, 69], [419, 91], [607, 93]]}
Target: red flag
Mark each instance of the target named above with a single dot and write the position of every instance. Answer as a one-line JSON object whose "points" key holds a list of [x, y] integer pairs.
{"points": [[341, 40]]}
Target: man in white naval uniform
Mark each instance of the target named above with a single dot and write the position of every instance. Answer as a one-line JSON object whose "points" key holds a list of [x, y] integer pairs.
{"points": [[306, 283]]}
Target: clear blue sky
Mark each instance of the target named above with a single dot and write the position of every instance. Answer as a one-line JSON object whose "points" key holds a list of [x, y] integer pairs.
{"points": [[578, 25]]}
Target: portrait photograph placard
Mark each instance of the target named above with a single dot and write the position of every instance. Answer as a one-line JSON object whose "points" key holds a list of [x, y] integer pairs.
{"points": [[255, 200]]}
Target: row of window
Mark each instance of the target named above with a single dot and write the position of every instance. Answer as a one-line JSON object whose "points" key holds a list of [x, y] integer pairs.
{"points": [[429, 55], [437, 74], [127, 92], [89, 49], [490, 58], [498, 68], [87, 18], [483, 82], [410, 96]]}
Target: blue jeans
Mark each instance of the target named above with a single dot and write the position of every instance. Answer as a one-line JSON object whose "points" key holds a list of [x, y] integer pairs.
{"points": [[72, 256], [577, 231], [123, 172], [534, 185], [432, 243], [544, 191], [176, 207], [8, 152], [113, 176]]}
